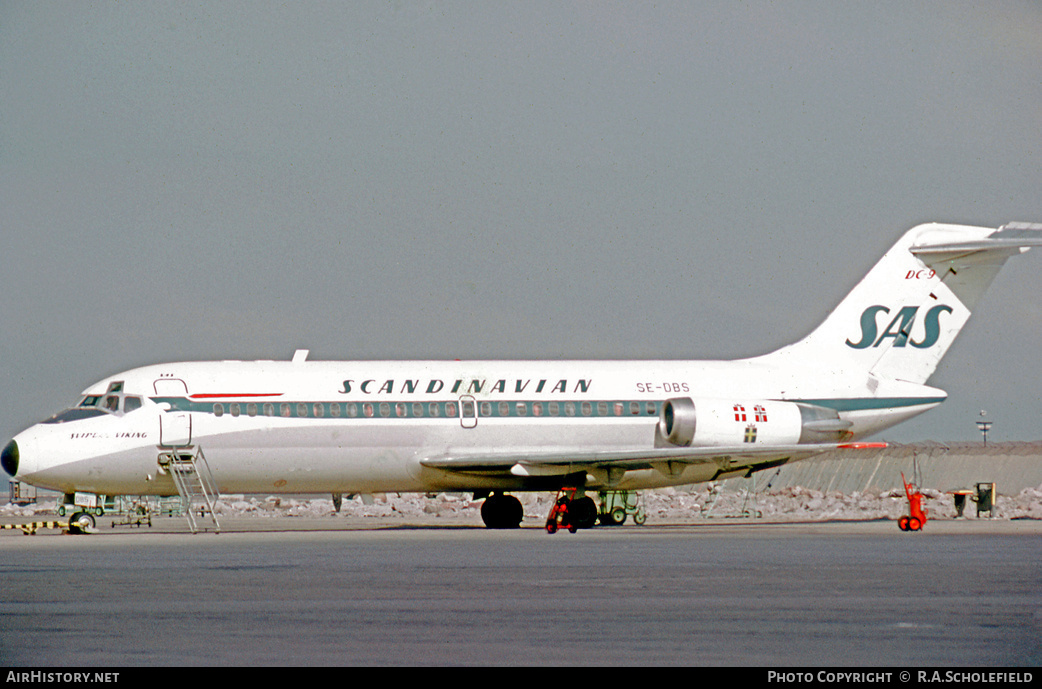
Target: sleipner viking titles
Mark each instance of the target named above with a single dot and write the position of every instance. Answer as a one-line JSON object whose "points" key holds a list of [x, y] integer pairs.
{"points": [[494, 427]]}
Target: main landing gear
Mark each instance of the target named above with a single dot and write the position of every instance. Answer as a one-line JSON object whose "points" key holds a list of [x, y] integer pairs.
{"points": [[502, 511], [571, 512]]}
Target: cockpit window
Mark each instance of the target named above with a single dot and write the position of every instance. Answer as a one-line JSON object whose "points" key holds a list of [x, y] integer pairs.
{"points": [[112, 402]]}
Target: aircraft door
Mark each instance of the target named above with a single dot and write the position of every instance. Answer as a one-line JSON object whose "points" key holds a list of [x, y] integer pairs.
{"points": [[468, 411], [175, 427]]}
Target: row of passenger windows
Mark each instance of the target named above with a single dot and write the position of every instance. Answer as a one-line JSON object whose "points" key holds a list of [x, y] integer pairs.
{"points": [[437, 409]]}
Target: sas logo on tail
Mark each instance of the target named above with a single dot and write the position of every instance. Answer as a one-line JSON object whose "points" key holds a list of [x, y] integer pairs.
{"points": [[900, 327]]}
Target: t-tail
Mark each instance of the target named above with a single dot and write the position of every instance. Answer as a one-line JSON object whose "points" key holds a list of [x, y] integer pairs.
{"points": [[900, 320]]}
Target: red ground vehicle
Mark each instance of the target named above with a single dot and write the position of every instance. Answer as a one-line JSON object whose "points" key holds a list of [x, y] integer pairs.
{"points": [[571, 512], [916, 517]]}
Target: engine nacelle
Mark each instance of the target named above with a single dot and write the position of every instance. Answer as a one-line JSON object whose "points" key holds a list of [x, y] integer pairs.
{"points": [[704, 422]]}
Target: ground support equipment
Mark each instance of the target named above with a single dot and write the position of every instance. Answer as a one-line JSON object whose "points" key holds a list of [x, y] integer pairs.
{"points": [[916, 517], [616, 505], [571, 510], [30, 528]]}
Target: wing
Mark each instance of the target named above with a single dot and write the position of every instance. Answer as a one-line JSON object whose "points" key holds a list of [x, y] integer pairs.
{"points": [[667, 460]]}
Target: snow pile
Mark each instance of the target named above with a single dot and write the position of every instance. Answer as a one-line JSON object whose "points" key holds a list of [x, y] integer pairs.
{"points": [[695, 503], [45, 510]]}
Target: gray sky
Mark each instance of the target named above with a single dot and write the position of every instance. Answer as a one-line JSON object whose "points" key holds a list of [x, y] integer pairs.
{"points": [[502, 180]]}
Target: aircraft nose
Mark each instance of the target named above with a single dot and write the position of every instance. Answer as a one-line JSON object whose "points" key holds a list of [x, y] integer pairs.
{"points": [[9, 458]]}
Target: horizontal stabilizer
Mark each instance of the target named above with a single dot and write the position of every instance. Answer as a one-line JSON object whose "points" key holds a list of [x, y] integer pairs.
{"points": [[1015, 235]]}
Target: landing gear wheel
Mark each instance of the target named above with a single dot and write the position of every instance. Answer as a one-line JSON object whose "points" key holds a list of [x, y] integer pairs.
{"points": [[914, 524], [902, 523], [500, 511], [81, 523], [583, 513]]}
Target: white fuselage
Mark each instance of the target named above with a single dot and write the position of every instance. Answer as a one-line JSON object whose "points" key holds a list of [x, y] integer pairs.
{"points": [[348, 427]]}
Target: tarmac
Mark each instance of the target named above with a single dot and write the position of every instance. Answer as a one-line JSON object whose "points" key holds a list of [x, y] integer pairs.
{"points": [[316, 591]]}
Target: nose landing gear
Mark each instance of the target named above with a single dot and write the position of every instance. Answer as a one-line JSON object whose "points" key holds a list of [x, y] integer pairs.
{"points": [[81, 523]]}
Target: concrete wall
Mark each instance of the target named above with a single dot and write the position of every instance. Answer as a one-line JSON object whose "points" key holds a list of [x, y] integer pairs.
{"points": [[944, 467]]}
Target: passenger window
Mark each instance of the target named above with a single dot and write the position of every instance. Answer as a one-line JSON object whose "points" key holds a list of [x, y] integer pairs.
{"points": [[400, 409], [285, 409], [486, 409], [269, 409], [302, 409], [251, 409], [569, 408], [352, 409], [320, 409], [537, 408], [385, 409], [522, 409], [234, 408], [417, 409], [602, 409], [433, 407], [587, 408], [450, 409], [555, 409], [218, 409], [334, 409], [504, 409]]}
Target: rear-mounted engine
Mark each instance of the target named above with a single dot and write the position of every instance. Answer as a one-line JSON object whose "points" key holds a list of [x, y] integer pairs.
{"points": [[687, 422]]}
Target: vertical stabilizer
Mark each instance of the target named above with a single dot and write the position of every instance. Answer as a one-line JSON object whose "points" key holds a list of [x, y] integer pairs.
{"points": [[900, 320]]}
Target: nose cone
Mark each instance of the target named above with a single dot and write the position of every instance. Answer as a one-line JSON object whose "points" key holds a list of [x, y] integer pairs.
{"points": [[9, 458]]}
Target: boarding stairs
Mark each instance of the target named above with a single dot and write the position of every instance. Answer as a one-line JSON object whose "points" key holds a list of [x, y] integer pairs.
{"points": [[191, 474]]}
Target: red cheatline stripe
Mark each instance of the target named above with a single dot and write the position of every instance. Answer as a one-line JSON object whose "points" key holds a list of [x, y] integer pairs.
{"points": [[209, 395], [862, 446]]}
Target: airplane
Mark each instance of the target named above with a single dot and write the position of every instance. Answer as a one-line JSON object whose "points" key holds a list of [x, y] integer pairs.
{"points": [[495, 428]]}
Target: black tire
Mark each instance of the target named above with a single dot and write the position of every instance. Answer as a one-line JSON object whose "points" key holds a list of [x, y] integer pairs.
{"points": [[81, 523], [582, 512], [502, 512]]}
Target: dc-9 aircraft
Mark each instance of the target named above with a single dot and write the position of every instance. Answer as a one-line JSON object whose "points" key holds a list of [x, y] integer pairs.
{"points": [[497, 427]]}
